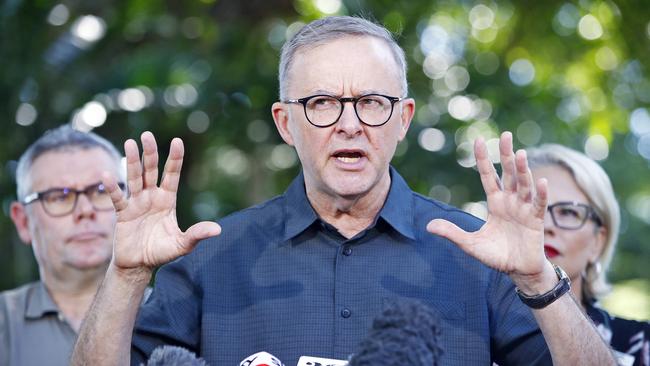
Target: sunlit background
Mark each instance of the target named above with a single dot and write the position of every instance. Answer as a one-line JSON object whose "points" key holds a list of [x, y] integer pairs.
{"points": [[575, 73]]}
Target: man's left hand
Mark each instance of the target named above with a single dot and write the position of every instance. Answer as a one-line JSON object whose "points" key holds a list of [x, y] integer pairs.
{"points": [[512, 239]]}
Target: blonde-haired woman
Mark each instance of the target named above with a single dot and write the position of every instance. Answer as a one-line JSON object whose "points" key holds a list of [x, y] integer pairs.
{"points": [[581, 229]]}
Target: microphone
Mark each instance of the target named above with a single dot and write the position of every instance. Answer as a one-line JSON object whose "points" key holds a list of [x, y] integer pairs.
{"points": [[406, 333], [320, 361], [261, 359], [174, 356]]}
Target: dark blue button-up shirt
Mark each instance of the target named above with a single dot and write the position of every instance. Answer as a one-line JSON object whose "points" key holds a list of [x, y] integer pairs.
{"points": [[278, 279]]}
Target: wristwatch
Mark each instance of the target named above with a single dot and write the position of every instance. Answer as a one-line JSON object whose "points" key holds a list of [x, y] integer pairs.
{"points": [[543, 300]]}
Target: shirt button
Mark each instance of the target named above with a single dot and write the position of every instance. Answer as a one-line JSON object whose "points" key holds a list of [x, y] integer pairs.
{"points": [[346, 313], [347, 251]]}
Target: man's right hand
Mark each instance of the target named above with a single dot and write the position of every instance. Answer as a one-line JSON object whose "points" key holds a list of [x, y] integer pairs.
{"points": [[147, 233]]}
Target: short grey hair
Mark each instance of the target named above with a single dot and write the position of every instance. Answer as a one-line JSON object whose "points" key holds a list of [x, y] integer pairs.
{"points": [[595, 184], [63, 138], [332, 28]]}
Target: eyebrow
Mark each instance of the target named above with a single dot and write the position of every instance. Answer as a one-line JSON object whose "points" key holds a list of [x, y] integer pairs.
{"points": [[373, 91], [323, 92], [360, 93]]}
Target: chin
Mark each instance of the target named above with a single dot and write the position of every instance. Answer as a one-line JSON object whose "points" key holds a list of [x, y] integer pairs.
{"points": [[350, 187], [91, 264], [91, 260]]}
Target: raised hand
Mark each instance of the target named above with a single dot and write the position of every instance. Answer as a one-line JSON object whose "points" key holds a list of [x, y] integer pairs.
{"points": [[147, 232], [512, 239]]}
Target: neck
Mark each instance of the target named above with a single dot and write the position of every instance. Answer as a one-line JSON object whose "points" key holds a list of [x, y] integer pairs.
{"points": [[73, 292], [349, 214]]}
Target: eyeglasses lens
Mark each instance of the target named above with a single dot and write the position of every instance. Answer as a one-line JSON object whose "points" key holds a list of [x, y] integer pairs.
{"points": [[569, 216], [325, 110], [63, 201]]}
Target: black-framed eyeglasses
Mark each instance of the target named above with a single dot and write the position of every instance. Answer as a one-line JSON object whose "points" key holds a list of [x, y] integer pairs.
{"points": [[324, 110], [62, 201], [572, 215]]}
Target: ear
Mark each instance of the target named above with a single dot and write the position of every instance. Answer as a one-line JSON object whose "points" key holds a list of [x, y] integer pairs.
{"points": [[407, 112], [21, 221], [280, 114], [599, 245]]}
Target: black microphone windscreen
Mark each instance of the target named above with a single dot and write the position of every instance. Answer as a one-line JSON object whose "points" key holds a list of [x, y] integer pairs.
{"points": [[174, 356], [406, 333]]}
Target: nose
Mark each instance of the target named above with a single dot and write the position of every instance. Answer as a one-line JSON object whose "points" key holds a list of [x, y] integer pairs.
{"points": [[84, 208], [349, 123]]}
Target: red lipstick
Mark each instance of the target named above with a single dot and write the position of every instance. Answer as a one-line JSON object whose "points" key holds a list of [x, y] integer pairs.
{"points": [[550, 251]]}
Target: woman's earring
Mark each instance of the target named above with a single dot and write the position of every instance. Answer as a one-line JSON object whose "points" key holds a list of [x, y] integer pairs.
{"points": [[592, 271], [597, 268]]}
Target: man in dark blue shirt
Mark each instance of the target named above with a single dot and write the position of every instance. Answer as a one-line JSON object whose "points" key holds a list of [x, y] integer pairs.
{"points": [[280, 279], [306, 272]]}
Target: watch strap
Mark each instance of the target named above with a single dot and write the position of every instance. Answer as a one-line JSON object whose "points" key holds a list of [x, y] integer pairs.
{"points": [[541, 301]]}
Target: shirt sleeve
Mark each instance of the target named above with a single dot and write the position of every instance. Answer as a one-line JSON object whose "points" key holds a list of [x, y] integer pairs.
{"points": [[171, 314], [4, 331], [516, 337]]}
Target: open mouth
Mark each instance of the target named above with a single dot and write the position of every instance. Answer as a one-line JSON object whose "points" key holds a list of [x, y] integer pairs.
{"points": [[550, 251], [348, 157]]}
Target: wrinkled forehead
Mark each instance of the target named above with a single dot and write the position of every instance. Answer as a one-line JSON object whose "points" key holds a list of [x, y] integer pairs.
{"points": [[346, 64]]}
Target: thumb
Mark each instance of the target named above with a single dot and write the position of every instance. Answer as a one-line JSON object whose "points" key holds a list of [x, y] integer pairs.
{"points": [[449, 231], [200, 231]]}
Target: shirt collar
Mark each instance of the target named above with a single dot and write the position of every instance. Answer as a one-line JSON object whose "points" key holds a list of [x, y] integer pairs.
{"points": [[397, 210], [298, 210], [39, 302]]}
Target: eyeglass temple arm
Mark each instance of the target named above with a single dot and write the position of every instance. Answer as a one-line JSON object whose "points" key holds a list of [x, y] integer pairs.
{"points": [[30, 198]]}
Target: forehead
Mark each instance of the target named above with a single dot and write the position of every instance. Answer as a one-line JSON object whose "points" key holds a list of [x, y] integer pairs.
{"points": [[350, 64], [73, 167], [561, 184]]}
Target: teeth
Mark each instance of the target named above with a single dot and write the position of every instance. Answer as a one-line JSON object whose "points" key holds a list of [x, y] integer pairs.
{"points": [[346, 159]]}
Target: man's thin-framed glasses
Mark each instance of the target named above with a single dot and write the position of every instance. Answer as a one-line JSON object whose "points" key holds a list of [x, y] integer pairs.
{"points": [[572, 215], [324, 110], [62, 201]]}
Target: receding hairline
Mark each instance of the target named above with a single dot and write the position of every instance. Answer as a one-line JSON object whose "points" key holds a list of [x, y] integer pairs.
{"points": [[72, 149], [301, 51], [67, 149], [331, 28]]}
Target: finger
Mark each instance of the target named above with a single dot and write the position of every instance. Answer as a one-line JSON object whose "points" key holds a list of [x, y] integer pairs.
{"points": [[507, 162], [524, 177], [133, 167], [115, 192], [541, 198], [488, 174], [198, 232], [172, 172], [150, 159], [450, 231]]}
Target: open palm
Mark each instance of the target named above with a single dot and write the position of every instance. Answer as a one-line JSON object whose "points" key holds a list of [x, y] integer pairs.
{"points": [[147, 232], [512, 238]]}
